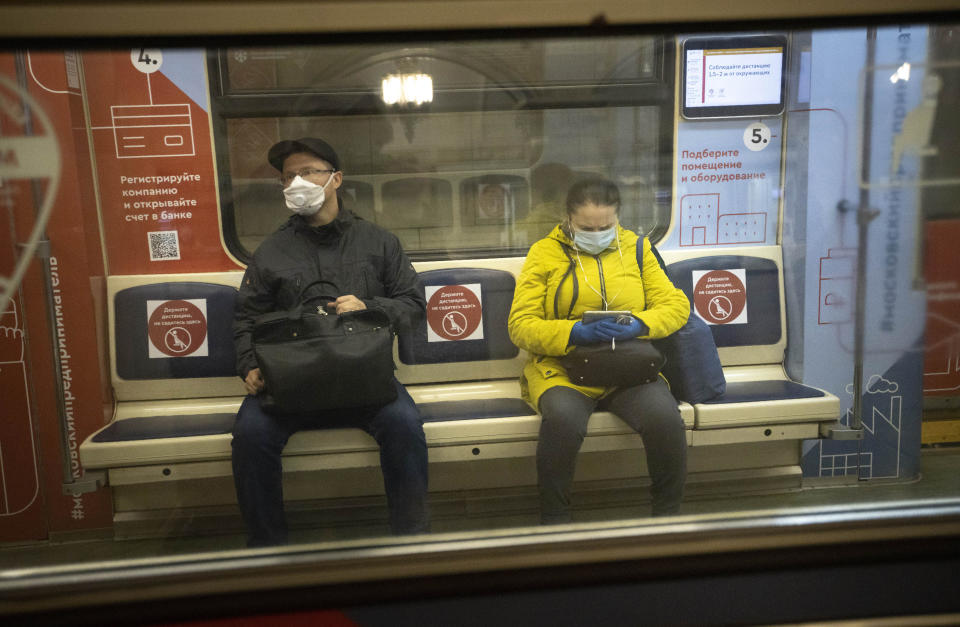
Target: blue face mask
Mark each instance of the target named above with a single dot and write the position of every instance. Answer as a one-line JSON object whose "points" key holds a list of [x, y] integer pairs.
{"points": [[594, 242]]}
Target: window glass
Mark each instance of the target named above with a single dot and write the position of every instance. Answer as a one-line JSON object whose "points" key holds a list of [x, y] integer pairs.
{"points": [[475, 65], [820, 242], [481, 168]]}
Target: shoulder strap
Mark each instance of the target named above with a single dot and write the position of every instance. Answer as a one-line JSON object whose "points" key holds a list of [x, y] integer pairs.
{"points": [[653, 249], [571, 270]]}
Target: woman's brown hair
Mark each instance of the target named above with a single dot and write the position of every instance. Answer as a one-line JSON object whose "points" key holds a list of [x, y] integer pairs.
{"points": [[601, 192]]}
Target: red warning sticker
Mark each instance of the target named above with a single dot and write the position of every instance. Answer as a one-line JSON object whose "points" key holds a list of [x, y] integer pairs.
{"points": [[720, 296], [454, 312], [177, 328]]}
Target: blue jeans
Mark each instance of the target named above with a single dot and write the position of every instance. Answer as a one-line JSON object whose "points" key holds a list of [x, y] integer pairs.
{"points": [[649, 409], [259, 438]]}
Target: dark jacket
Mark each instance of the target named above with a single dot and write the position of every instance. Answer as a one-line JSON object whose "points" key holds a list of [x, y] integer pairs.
{"points": [[356, 256]]}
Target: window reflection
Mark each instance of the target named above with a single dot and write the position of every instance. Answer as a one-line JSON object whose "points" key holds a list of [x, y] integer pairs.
{"points": [[480, 174], [490, 118]]}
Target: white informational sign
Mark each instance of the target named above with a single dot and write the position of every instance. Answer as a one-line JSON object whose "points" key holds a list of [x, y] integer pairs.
{"points": [[454, 312], [756, 136], [177, 328], [146, 60], [733, 77], [720, 296]]}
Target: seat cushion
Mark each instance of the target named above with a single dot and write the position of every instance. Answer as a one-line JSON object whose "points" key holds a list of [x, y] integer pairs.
{"points": [[771, 402], [155, 427], [474, 409], [195, 312], [761, 325], [496, 295], [753, 391]]}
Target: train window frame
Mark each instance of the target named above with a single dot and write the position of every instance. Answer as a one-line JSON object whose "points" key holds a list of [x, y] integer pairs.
{"points": [[771, 545], [227, 105]]}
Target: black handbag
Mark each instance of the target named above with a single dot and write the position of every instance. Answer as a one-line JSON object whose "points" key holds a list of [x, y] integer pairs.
{"points": [[623, 363], [312, 361]]}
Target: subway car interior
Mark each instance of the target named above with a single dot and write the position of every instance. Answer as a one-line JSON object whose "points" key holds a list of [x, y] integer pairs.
{"points": [[794, 170]]}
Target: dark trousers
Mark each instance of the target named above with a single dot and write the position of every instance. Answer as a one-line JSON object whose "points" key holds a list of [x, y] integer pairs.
{"points": [[649, 409], [259, 438]]}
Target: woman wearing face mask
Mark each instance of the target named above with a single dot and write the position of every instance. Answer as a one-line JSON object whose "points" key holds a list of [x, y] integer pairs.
{"points": [[588, 262]]}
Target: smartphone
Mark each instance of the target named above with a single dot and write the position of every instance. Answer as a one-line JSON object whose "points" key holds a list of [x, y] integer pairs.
{"points": [[593, 316]]}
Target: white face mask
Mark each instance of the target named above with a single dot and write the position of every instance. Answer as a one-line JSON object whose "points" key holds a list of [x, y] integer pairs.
{"points": [[304, 197], [594, 242]]}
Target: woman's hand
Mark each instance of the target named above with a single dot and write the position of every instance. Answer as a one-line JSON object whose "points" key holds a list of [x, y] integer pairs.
{"points": [[605, 330], [612, 330], [582, 334]]}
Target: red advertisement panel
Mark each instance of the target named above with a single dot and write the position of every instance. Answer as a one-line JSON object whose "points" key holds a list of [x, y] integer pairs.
{"points": [[941, 367], [22, 512], [154, 160], [50, 332], [20, 501], [75, 263]]}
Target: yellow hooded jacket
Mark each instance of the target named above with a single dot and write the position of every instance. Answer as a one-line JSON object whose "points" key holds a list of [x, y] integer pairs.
{"points": [[544, 333]]}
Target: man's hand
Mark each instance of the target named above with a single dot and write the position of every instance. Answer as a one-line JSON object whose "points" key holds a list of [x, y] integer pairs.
{"points": [[349, 302], [254, 382]]}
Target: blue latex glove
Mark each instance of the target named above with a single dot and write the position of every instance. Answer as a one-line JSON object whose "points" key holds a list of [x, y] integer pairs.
{"points": [[582, 334], [612, 330]]}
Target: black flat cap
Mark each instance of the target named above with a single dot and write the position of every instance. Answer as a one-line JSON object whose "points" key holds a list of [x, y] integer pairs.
{"points": [[281, 150]]}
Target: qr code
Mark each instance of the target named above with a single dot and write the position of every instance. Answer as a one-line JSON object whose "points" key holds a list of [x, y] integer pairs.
{"points": [[164, 245]]}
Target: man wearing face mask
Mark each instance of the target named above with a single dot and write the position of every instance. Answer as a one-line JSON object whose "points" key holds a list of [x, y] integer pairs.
{"points": [[589, 262], [324, 241]]}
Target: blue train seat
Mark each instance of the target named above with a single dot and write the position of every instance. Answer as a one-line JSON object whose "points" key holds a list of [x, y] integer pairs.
{"points": [[750, 332], [150, 319], [166, 452]]}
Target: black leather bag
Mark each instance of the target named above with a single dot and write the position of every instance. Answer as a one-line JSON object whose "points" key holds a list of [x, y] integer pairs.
{"points": [[314, 361], [623, 364]]}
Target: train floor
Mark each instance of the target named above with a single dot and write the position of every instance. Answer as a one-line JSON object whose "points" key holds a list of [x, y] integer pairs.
{"points": [[939, 478]]}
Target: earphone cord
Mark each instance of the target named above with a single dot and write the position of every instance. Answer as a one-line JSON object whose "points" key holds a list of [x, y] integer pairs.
{"points": [[606, 304]]}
